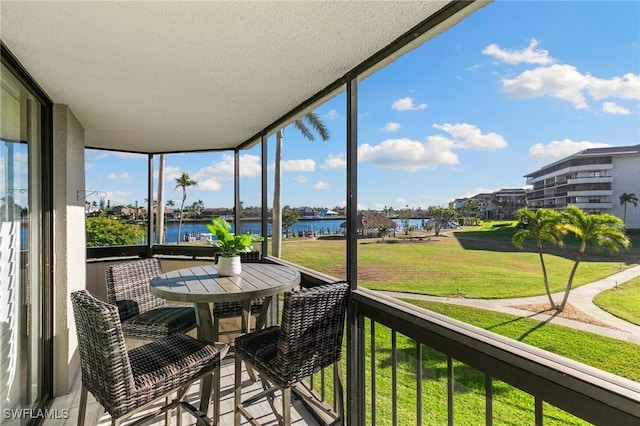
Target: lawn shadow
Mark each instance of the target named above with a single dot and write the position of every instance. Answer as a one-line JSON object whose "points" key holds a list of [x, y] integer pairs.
{"points": [[434, 368], [531, 316], [476, 240]]}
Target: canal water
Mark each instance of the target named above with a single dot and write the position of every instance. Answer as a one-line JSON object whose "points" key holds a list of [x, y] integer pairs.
{"points": [[315, 227]]}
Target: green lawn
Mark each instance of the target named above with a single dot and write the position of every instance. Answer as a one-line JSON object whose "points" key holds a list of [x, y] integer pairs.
{"points": [[480, 263], [473, 264], [615, 356], [622, 301]]}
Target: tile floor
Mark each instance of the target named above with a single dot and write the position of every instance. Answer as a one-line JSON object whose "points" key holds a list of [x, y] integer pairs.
{"points": [[261, 411]]}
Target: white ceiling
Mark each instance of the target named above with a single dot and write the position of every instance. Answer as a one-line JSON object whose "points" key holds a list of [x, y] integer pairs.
{"points": [[174, 76]]}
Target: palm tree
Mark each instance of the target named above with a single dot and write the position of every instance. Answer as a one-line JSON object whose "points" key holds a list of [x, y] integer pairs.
{"points": [[601, 230], [541, 225], [305, 124], [628, 198], [183, 182], [170, 203], [522, 200], [160, 212], [197, 208]]}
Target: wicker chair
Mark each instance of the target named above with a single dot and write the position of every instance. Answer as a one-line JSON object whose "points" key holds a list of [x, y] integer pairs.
{"points": [[143, 315], [126, 382], [234, 309], [308, 340]]}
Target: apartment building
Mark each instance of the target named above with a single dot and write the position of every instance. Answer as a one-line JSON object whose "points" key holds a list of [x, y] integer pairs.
{"points": [[501, 204], [593, 179]]}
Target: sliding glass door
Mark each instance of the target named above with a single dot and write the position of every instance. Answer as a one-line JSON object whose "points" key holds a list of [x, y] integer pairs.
{"points": [[23, 248]]}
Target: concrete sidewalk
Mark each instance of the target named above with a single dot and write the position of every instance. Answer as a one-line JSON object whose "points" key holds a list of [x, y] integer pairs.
{"points": [[581, 298]]}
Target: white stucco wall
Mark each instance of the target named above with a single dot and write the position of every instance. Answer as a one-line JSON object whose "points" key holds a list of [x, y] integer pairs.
{"points": [[626, 178], [69, 241]]}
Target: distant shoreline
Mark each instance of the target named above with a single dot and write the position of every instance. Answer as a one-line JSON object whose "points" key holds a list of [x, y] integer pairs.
{"points": [[207, 220]]}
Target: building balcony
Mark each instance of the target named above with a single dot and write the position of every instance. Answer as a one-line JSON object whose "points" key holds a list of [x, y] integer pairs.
{"points": [[595, 179], [560, 174], [590, 194], [593, 205]]}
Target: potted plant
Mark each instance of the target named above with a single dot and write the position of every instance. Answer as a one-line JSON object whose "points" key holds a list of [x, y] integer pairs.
{"points": [[230, 246]]}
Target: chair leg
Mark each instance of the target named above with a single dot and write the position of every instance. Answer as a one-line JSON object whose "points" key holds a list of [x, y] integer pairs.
{"points": [[205, 393], [286, 406], [251, 372], [167, 414], [216, 398], [216, 328], [237, 391], [338, 391], [83, 405]]}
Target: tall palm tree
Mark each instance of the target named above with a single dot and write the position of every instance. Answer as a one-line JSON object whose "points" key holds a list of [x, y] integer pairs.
{"points": [[183, 182], [308, 122], [601, 230], [541, 225], [160, 196], [628, 198]]}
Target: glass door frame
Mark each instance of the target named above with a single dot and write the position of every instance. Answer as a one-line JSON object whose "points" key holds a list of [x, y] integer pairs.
{"points": [[45, 146]]}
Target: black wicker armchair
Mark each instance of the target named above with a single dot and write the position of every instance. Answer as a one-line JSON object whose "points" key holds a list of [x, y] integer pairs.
{"points": [[308, 340], [143, 315], [127, 382]]}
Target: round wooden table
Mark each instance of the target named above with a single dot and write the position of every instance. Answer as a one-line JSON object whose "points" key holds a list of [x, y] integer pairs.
{"points": [[202, 286]]}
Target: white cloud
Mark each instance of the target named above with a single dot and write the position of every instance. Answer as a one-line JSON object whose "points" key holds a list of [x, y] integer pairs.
{"points": [[250, 165], [561, 149], [528, 55], [331, 115], [171, 173], [406, 104], [613, 108], [218, 171], [391, 127], [305, 165], [401, 201], [321, 185], [438, 150], [113, 176], [470, 136], [558, 81], [567, 83], [625, 87], [335, 162], [300, 179], [208, 184], [408, 154]]}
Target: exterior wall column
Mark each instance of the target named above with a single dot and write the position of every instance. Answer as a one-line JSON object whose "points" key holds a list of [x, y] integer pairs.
{"points": [[69, 242]]}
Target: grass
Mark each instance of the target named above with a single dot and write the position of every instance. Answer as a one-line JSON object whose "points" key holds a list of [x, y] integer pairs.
{"points": [[474, 264], [478, 262], [511, 405], [622, 301]]}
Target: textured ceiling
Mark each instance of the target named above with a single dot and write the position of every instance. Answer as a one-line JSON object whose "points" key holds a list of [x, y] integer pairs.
{"points": [[173, 76]]}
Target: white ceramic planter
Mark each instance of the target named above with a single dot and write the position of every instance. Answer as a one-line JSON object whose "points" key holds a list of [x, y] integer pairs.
{"points": [[229, 266]]}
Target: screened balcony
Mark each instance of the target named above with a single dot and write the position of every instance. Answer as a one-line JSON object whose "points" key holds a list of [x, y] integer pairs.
{"points": [[189, 83]]}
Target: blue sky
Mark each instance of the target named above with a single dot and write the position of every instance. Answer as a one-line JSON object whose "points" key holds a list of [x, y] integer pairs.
{"points": [[511, 88]]}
